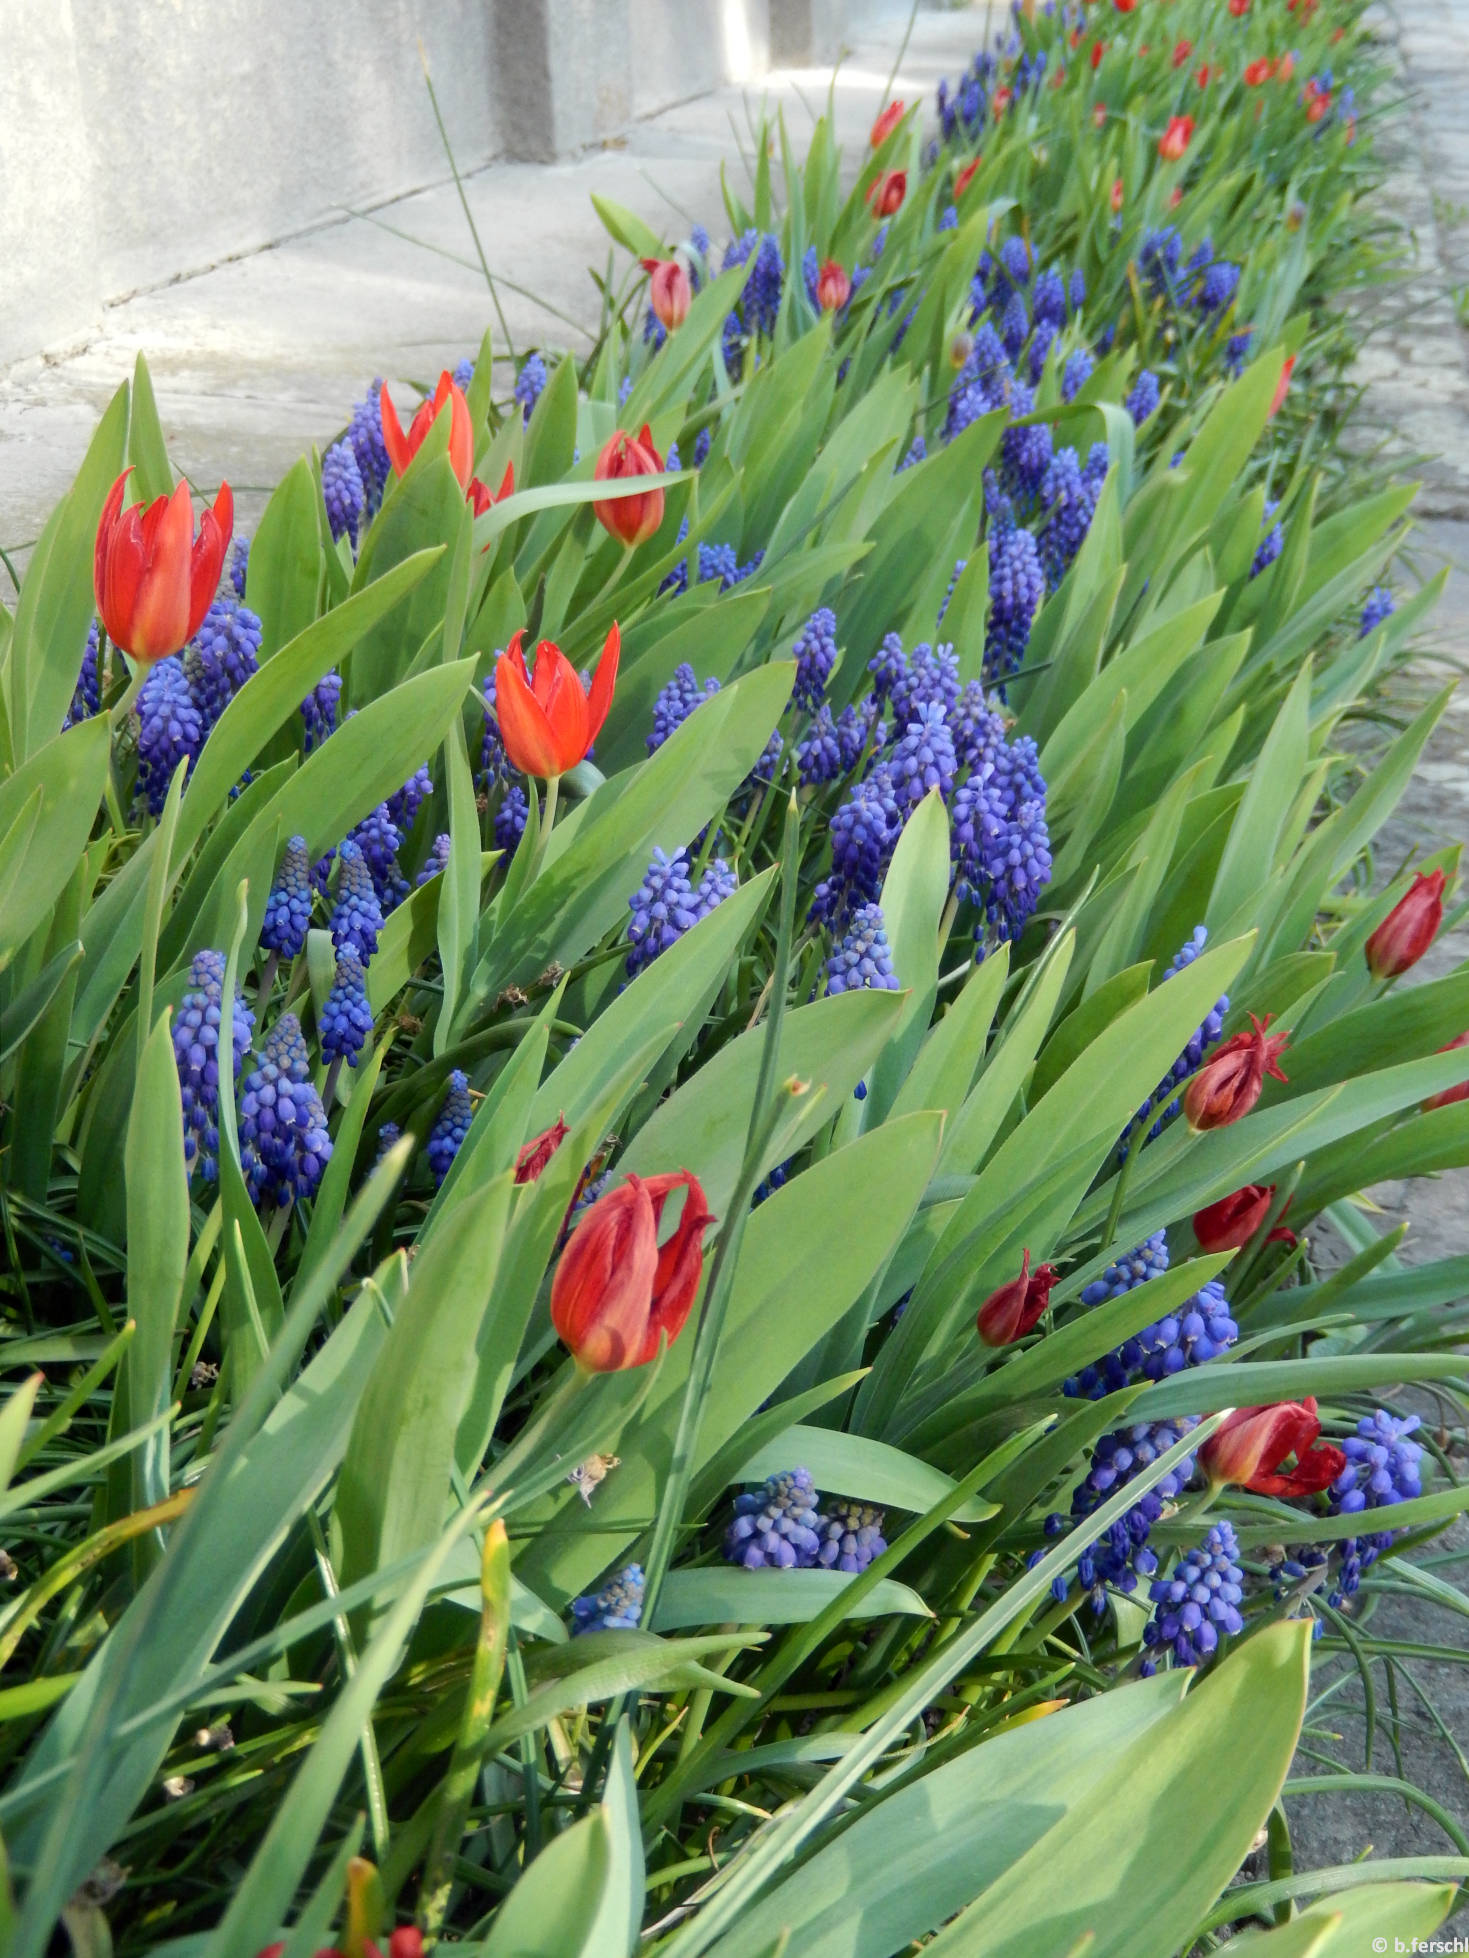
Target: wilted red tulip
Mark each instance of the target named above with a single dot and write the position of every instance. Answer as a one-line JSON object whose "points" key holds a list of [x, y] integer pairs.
{"points": [[153, 578], [1117, 194], [632, 519], [966, 177], [1228, 1085], [1282, 386], [539, 1151], [616, 1291], [833, 287], [1259, 71], [669, 292], [1233, 1221], [1250, 1445], [548, 722], [1408, 930], [885, 124], [1175, 138], [1182, 52], [403, 448], [1450, 1095], [482, 499], [1015, 1307], [886, 194]]}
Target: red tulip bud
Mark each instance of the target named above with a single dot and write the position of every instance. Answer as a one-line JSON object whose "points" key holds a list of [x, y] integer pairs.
{"points": [[1182, 52], [153, 579], [1175, 138], [1450, 1095], [1015, 1307], [632, 519], [481, 498], [1408, 930], [539, 1151], [1252, 1443], [1099, 48], [966, 177], [1233, 1221], [403, 448], [885, 195], [616, 1292], [669, 292], [885, 124], [1117, 194], [1228, 1085], [1283, 385], [833, 287]]}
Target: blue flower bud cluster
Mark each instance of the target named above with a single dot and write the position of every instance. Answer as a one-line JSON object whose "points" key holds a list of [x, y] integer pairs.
{"points": [[284, 1145], [1017, 587], [346, 1018], [1382, 1470], [676, 700], [1380, 605], [1191, 1335], [196, 1056], [1271, 544], [1122, 1554], [183, 697], [86, 699], [815, 650], [451, 1125], [365, 439], [288, 907], [342, 491], [964, 107], [530, 384], [319, 710], [862, 960], [357, 916], [666, 904], [1197, 1602], [1165, 1097], [779, 1526], [618, 1607]]}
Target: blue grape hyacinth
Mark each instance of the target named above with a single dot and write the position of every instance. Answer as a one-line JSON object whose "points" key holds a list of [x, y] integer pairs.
{"points": [[851, 1536], [923, 760], [86, 699], [1382, 1470], [815, 650], [776, 1526], [357, 915], [196, 1055], [1380, 605], [1204, 1036], [342, 491], [1121, 1555], [1199, 1600], [451, 1125], [319, 710], [1017, 586], [530, 384], [666, 905], [676, 700], [365, 439], [346, 1018], [618, 1607], [284, 1144], [1142, 401], [288, 907], [862, 961], [171, 729]]}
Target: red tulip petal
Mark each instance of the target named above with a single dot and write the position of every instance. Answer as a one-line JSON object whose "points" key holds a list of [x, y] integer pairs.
{"points": [[106, 526], [461, 436], [393, 440], [160, 622], [603, 682], [525, 733]]}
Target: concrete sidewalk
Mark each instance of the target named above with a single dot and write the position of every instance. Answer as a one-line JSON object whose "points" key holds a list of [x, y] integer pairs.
{"points": [[260, 357]]}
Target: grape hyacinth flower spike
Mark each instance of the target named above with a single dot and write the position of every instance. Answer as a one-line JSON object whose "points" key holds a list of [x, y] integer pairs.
{"points": [[776, 1526]]}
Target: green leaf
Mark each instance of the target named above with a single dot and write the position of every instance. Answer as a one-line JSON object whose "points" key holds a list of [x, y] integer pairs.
{"points": [[870, 1471], [556, 1908], [720, 1595], [152, 475], [284, 569], [1345, 1925], [1255, 834], [458, 914], [47, 808], [627, 228]]}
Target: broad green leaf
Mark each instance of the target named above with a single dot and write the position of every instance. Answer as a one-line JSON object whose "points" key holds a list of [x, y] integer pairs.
{"points": [[284, 568], [721, 1595], [556, 1908]]}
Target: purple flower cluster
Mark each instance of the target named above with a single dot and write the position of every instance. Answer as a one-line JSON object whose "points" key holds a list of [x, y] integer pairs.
{"points": [[1382, 1470], [196, 1055], [618, 1607], [666, 904], [288, 907], [862, 960], [1165, 1096], [1197, 1602], [284, 1145], [780, 1526], [1191, 1335]]}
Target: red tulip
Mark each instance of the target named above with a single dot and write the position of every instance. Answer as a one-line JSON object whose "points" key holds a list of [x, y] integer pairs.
{"points": [[1099, 115], [1098, 50], [548, 723], [1408, 930], [966, 177], [539, 1151], [1259, 71], [481, 499], [1285, 67], [1175, 198], [1001, 100], [1282, 387], [1250, 1445], [1239, 8], [1450, 1095], [1233, 1221], [886, 194], [616, 1292], [632, 519], [1016, 1306], [1228, 1085], [1117, 195], [833, 287], [885, 124], [153, 578], [405, 1942], [1182, 52], [1175, 138], [1317, 104], [403, 448], [669, 292], [1124, 6], [1202, 76]]}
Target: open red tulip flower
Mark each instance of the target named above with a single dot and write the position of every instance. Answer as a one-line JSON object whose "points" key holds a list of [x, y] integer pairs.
{"points": [[833, 287], [403, 448], [1014, 1308], [886, 193], [548, 720], [482, 498], [1176, 138], [1408, 930], [617, 1292], [669, 292], [885, 124], [1228, 1085], [631, 519], [153, 578], [1251, 1444]]}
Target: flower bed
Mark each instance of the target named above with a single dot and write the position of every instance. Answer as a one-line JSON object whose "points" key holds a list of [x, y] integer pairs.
{"points": [[671, 1124]]}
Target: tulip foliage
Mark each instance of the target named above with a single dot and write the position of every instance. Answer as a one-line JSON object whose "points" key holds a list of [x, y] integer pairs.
{"points": [[647, 1299]]}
